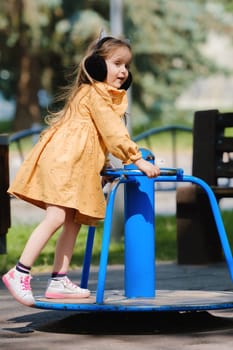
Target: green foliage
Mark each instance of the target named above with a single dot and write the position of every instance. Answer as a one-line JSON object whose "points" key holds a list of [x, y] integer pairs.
{"points": [[5, 126], [165, 36], [167, 54], [165, 244]]}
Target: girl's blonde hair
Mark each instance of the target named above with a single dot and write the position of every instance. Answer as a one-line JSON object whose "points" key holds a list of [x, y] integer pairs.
{"points": [[103, 48]]}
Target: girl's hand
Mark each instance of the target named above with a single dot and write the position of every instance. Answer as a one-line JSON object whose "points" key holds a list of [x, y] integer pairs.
{"points": [[107, 179], [148, 168]]}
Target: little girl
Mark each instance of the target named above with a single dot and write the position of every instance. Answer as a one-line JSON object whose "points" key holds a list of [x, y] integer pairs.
{"points": [[62, 172]]}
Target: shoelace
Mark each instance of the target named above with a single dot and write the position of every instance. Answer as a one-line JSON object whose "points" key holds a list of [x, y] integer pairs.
{"points": [[70, 283], [73, 285], [25, 283]]}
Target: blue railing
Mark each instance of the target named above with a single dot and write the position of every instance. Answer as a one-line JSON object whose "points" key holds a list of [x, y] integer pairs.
{"points": [[20, 135], [173, 130]]}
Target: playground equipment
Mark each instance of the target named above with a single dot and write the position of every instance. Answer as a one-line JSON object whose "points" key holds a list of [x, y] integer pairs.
{"points": [[140, 292]]}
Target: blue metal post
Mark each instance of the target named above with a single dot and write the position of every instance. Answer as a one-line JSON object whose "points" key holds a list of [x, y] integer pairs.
{"points": [[106, 243], [139, 237], [87, 257]]}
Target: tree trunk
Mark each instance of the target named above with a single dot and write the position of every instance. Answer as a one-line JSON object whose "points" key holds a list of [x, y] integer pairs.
{"points": [[27, 103]]}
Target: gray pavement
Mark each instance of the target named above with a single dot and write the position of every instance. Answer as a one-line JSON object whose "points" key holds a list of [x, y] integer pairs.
{"points": [[28, 328]]}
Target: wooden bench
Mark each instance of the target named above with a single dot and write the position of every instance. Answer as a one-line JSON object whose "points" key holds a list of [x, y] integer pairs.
{"points": [[5, 217], [197, 238]]}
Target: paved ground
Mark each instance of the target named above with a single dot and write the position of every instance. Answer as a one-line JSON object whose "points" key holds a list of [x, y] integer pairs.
{"points": [[27, 328]]}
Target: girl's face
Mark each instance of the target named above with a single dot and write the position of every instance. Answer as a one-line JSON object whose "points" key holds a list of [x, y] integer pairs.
{"points": [[118, 66]]}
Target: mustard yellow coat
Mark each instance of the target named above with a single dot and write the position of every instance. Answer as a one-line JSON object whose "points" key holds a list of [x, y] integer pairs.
{"points": [[64, 167]]}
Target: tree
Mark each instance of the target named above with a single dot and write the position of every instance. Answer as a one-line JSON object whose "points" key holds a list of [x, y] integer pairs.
{"points": [[37, 43], [166, 37], [22, 54], [40, 40]]}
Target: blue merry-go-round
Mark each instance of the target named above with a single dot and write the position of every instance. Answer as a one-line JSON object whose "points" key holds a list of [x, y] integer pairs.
{"points": [[140, 292]]}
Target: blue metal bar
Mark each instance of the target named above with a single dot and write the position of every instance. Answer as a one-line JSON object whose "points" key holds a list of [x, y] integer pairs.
{"points": [[119, 172], [158, 130], [215, 210], [87, 257], [106, 242], [25, 133], [125, 176], [217, 217]]}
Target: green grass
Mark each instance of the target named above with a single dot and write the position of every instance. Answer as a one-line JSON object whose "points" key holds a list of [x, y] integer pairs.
{"points": [[165, 244], [5, 126]]}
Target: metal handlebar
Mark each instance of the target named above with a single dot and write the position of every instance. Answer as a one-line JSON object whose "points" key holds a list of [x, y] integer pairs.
{"points": [[135, 172]]}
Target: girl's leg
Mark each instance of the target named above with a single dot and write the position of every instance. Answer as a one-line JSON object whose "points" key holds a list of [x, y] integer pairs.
{"points": [[66, 242], [17, 280], [54, 218], [60, 286]]}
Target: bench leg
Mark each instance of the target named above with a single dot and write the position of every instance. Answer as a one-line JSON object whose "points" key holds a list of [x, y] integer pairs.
{"points": [[197, 236]]}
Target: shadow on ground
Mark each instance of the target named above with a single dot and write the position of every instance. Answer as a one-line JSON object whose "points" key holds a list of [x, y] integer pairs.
{"points": [[122, 323]]}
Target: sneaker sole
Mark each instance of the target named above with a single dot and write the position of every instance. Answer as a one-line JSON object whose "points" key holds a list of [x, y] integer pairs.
{"points": [[67, 296], [8, 286]]}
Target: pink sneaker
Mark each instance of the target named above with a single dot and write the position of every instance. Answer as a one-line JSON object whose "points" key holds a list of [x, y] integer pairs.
{"points": [[63, 288], [18, 284]]}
